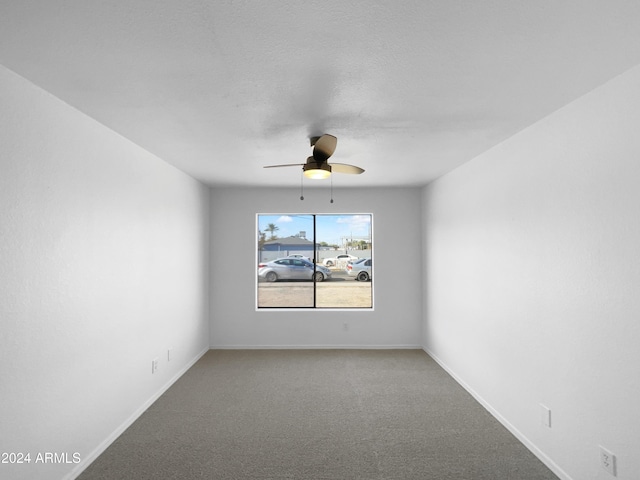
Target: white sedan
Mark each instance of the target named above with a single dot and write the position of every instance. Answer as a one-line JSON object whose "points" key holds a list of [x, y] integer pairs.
{"points": [[360, 269], [343, 259], [292, 269]]}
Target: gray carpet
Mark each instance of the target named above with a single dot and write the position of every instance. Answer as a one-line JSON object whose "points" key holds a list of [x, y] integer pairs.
{"points": [[317, 414]]}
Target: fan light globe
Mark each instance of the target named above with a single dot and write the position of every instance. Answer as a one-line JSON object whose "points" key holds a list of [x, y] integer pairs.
{"points": [[317, 172]]}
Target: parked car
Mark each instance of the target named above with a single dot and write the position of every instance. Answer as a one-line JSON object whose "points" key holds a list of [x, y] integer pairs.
{"points": [[360, 269], [298, 255], [342, 258], [292, 269]]}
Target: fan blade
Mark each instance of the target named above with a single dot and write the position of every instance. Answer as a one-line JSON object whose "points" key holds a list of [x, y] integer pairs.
{"points": [[344, 168], [285, 165], [324, 148]]}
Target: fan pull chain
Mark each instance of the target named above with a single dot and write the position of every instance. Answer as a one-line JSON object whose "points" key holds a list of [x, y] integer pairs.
{"points": [[331, 189], [301, 184]]}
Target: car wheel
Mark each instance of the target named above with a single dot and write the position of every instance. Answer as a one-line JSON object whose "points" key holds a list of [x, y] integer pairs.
{"points": [[363, 276], [271, 277], [319, 276], [329, 263]]}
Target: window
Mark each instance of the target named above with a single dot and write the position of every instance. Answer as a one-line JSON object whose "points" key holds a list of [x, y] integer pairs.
{"points": [[314, 261]]}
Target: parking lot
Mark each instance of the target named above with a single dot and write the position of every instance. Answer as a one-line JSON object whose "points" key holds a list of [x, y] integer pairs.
{"points": [[341, 291]]}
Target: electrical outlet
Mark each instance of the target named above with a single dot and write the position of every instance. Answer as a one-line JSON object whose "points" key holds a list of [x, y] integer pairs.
{"points": [[608, 460], [169, 354], [545, 415], [154, 365]]}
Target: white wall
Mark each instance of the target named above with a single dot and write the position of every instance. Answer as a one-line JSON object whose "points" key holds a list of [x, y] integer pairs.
{"points": [[396, 320], [532, 280], [103, 266]]}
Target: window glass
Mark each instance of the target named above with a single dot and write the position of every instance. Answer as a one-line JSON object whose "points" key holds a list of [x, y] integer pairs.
{"points": [[314, 261]]}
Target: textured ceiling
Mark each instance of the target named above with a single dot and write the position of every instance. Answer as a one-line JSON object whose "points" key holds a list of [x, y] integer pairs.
{"points": [[412, 89]]}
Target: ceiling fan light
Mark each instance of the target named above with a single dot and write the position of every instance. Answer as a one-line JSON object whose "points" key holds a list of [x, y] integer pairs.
{"points": [[317, 172]]}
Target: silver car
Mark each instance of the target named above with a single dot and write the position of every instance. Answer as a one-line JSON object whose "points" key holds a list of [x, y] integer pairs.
{"points": [[292, 269], [360, 269]]}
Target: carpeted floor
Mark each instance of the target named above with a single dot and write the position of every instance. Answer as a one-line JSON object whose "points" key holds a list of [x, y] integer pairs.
{"points": [[317, 414]]}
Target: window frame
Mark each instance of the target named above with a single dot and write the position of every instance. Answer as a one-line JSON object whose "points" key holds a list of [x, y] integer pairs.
{"points": [[315, 255]]}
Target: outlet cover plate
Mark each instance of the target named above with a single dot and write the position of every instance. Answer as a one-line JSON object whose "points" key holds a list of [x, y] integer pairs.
{"points": [[608, 461], [545, 415]]}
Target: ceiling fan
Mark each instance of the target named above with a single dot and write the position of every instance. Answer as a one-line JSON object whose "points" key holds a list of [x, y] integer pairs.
{"points": [[317, 166]]}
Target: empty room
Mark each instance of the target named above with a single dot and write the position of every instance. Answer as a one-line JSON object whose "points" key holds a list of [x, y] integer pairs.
{"points": [[319, 240]]}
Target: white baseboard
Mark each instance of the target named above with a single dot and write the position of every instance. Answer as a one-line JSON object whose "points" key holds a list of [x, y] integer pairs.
{"points": [[316, 347], [519, 435], [87, 460]]}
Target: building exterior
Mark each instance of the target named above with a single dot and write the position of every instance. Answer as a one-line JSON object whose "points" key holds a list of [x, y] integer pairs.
{"points": [[283, 247]]}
